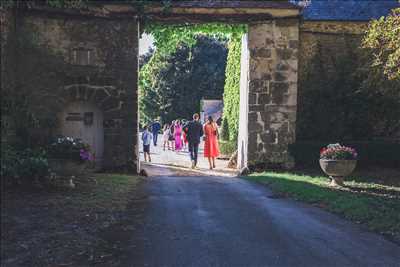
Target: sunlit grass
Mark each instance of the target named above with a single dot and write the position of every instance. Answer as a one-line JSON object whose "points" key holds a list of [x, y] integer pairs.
{"points": [[375, 205]]}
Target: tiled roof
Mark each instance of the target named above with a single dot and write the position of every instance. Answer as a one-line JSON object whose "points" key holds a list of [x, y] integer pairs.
{"points": [[353, 10]]}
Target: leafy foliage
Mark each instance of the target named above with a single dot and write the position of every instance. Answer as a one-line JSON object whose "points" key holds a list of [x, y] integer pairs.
{"points": [[22, 167], [224, 130], [232, 89], [167, 38], [69, 148], [348, 100], [172, 85], [32, 164], [20, 97], [383, 36], [227, 147]]}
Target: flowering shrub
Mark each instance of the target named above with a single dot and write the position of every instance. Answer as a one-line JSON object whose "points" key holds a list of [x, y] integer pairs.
{"points": [[70, 148], [338, 152], [22, 166]]}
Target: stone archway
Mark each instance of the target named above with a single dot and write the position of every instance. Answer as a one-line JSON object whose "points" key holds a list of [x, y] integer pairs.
{"points": [[98, 47], [92, 113], [269, 66]]}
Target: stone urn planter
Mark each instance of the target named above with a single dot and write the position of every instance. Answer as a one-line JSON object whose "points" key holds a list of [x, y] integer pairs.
{"points": [[67, 167], [69, 157], [337, 169], [338, 161]]}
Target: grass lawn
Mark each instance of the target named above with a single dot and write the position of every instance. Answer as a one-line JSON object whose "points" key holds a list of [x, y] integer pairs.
{"points": [[374, 204], [91, 224]]}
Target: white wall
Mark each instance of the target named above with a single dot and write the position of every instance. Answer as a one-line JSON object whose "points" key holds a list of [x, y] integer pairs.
{"points": [[243, 109]]}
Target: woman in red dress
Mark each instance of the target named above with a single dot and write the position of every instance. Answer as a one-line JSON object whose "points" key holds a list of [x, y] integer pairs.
{"points": [[211, 150]]}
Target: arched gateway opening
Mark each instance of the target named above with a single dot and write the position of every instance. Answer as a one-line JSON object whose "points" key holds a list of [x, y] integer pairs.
{"points": [[268, 82], [98, 48]]}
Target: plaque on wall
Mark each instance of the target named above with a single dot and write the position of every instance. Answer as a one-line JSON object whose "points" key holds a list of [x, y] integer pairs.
{"points": [[74, 117]]}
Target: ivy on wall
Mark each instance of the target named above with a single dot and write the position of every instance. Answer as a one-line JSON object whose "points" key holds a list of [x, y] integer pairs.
{"points": [[26, 102], [232, 89], [168, 37], [346, 99]]}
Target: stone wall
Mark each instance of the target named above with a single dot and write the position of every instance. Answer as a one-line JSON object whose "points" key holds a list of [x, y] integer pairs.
{"points": [[327, 50], [7, 68], [63, 59], [332, 37], [272, 96], [54, 59]]}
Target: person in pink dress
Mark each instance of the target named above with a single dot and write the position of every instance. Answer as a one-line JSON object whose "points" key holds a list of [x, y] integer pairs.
{"points": [[211, 149], [178, 137]]}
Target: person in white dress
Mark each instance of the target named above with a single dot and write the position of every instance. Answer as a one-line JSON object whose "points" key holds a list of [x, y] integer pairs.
{"points": [[165, 136]]}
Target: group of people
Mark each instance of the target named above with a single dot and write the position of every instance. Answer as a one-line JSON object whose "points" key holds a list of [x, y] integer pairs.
{"points": [[181, 135], [173, 136]]}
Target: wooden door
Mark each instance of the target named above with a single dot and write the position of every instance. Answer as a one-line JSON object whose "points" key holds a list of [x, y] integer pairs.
{"points": [[85, 120]]}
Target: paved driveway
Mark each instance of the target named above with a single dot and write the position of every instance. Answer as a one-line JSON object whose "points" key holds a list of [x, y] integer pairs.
{"points": [[181, 158], [215, 221]]}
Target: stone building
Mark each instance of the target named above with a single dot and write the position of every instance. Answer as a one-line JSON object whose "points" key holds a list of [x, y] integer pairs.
{"points": [[213, 108], [76, 70]]}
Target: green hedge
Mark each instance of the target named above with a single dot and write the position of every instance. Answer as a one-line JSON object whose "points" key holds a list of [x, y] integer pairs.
{"points": [[376, 153], [232, 88], [227, 147]]}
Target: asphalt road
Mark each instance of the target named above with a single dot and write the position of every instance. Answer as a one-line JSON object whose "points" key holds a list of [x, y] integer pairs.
{"points": [[215, 221]]}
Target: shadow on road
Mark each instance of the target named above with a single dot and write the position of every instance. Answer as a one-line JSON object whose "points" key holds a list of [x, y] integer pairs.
{"points": [[160, 169]]}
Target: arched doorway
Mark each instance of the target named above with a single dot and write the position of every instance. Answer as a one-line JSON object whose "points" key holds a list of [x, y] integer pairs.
{"points": [[84, 120]]}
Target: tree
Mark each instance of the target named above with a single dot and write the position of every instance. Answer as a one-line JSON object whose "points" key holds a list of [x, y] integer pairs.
{"points": [[172, 85], [383, 37]]}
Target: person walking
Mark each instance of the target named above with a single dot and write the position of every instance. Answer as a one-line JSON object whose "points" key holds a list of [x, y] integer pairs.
{"points": [[184, 138], [146, 138], [172, 135], [194, 131], [165, 136], [211, 149], [155, 128], [178, 137]]}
